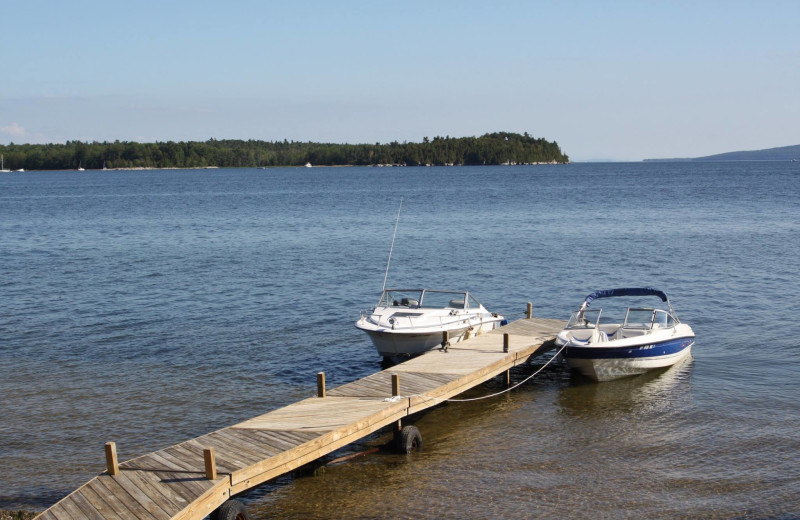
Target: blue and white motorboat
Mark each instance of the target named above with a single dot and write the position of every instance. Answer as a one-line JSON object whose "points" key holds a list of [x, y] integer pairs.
{"points": [[647, 338]]}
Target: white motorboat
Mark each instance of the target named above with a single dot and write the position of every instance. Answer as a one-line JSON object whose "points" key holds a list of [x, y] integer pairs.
{"points": [[412, 321], [647, 338]]}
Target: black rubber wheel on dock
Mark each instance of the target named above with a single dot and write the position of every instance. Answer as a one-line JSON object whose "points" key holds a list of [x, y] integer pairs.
{"points": [[230, 510], [408, 439]]}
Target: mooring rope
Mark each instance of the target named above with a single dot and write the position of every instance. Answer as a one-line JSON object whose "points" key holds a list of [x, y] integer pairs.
{"points": [[511, 387], [438, 400]]}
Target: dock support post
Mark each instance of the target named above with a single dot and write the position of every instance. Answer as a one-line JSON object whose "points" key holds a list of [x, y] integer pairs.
{"points": [[445, 339], [506, 343], [529, 312], [211, 464], [320, 384], [112, 465], [395, 385]]}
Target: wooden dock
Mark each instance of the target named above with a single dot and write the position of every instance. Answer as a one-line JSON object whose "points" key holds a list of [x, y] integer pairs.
{"points": [[192, 479]]}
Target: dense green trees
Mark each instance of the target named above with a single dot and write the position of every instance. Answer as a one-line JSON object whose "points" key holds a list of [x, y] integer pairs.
{"points": [[495, 148]]}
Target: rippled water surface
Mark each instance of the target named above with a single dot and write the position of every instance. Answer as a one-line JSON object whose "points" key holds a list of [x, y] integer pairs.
{"points": [[150, 307]]}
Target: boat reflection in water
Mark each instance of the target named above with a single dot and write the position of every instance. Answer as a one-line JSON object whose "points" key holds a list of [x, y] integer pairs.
{"points": [[653, 393]]}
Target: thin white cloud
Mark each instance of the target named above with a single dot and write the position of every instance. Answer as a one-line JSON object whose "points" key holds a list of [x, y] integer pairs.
{"points": [[13, 129]]}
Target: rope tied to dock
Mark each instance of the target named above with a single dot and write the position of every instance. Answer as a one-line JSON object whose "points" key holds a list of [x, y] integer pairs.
{"points": [[511, 387]]}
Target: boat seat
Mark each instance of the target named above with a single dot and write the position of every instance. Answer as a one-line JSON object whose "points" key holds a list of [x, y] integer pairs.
{"points": [[457, 304], [631, 333], [581, 337], [594, 336]]}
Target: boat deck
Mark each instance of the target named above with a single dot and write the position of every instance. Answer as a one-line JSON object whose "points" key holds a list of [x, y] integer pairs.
{"points": [[187, 481]]}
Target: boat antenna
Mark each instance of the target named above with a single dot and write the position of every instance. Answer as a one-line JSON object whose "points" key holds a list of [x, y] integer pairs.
{"points": [[392, 248]]}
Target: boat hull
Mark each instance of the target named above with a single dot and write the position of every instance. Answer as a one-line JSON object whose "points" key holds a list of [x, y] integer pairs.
{"points": [[609, 362], [390, 343]]}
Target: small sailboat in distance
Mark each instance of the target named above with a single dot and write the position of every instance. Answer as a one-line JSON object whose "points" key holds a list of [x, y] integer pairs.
{"points": [[3, 164]]}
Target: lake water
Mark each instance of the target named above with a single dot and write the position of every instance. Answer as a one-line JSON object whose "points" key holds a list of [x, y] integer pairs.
{"points": [[150, 307]]}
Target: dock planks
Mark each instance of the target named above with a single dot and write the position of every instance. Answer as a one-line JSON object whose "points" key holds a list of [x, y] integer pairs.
{"points": [[171, 484]]}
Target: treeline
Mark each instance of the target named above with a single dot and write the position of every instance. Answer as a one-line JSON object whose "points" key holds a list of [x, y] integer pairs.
{"points": [[494, 148]]}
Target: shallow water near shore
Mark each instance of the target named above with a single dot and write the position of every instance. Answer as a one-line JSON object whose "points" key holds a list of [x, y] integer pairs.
{"points": [[150, 307]]}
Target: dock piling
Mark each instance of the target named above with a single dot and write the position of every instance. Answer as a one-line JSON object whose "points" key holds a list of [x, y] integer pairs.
{"points": [[395, 385], [211, 464], [112, 465], [506, 342], [529, 312], [320, 384]]}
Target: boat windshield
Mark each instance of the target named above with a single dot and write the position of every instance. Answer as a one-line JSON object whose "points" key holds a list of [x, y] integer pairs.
{"points": [[586, 319], [401, 298], [444, 300], [419, 298], [648, 319], [639, 319], [662, 319]]}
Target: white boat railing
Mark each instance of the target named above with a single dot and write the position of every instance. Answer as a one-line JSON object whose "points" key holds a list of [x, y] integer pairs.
{"points": [[422, 321]]}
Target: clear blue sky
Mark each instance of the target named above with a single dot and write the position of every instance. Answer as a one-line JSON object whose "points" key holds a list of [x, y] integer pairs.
{"points": [[607, 80]]}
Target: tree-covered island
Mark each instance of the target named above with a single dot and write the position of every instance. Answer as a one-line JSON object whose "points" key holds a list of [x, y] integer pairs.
{"points": [[494, 148]]}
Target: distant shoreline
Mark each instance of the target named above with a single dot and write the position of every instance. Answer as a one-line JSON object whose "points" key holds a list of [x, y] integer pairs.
{"points": [[156, 168]]}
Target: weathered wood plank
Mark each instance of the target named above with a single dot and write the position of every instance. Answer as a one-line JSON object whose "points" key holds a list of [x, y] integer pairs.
{"points": [[133, 497], [69, 510], [216, 492], [314, 414], [374, 387], [104, 501], [237, 441], [170, 501], [273, 439], [155, 461], [183, 458], [178, 486], [255, 440], [313, 450], [229, 459], [89, 511], [190, 485]]}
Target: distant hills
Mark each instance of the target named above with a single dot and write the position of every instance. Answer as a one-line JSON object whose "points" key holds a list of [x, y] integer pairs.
{"points": [[783, 153]]}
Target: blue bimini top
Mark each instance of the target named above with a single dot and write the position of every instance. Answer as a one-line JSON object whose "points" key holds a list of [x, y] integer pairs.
{"points": [[634, 291]]}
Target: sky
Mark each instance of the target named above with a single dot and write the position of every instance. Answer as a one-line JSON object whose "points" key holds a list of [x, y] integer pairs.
{"points": [[607, 80]]}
